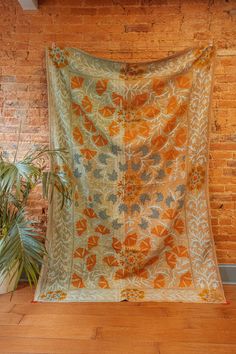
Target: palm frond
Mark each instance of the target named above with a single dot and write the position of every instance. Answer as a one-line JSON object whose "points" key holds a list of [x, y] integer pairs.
{"points": [[21, 247], [56, 181], [12, 174]]}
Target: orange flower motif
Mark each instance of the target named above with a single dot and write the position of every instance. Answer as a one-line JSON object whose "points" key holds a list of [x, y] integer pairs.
{"points": [[67, 170], [101, 86], [57, 295], [170, 125], [88, 154], [196, 178], [103, 283], [159, 141], [77, 281], [81, 226], [59, 57], [134, 129], [185, 280], [78, 136], [181, 137], [102, 229], [183, 81], [160, 231], [114, 128], [130, 116], [132, 294], [90, 213], [131, 257], [159, 281], [211, 295], [76, 82], [131, 186], [158, 86]]}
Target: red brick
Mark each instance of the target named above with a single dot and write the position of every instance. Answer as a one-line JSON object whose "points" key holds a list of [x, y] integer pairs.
{"points": [[229, 171], [138, 28]]}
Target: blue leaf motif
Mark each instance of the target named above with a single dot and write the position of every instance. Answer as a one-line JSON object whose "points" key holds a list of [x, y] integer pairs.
{"points": [[135, 207], [113, 176], [97, 197], [77, 158], [115, 149], [103, 214], [161, 174], [116, 225], [144, 149], [181, 188], [88, 167], [143, 224], [155, 213], [97, 173], [123, 167], [135, 166], [112, 198], [180, 203], [169, 200], [76, 173], [103, 158], [159, 197], [156, 158], [145, 176], [123, 207], [144, 197]]}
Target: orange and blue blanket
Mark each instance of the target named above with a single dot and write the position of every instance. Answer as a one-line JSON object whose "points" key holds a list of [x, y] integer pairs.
{"points": [[138, 227]]}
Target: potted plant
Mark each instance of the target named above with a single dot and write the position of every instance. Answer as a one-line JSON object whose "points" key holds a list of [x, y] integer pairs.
{"points": [[21, 242]]}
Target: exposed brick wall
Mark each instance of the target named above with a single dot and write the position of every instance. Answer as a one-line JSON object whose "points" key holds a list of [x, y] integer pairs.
{"points": [[123, 30]]}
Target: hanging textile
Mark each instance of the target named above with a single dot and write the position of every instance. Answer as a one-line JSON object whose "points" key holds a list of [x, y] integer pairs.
{"points": [[138, 227]]}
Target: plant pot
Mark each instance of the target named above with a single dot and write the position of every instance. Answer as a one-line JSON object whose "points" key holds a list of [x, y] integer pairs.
{"points": [[8, 282]]}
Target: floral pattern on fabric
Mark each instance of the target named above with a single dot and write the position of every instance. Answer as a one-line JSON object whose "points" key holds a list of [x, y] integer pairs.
{"points": [[138, 227], [196, 178], [57, 295], [132, 294], [59, 57]]}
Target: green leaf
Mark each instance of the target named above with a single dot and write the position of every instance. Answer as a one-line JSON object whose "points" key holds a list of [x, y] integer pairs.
{"points": [[20, 243], [21, 247]]}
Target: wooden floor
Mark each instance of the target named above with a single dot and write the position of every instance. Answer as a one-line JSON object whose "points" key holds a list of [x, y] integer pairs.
{"points": [[116, 328]]}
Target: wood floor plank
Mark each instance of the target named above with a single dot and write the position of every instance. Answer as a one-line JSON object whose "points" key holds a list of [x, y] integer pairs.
{"points": [[165, 335], [10, 318], [101, 320], [170, 310], [25, 295], [120, 333], [5, 298], [35, 331], [196, 348], [124, 320], [6, 307], [63, 346]]}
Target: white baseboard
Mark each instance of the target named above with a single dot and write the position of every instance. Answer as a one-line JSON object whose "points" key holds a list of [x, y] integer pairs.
{"points": [[228, 273]]}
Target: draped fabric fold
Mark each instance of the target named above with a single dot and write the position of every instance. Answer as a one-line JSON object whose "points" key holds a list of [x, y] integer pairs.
{"points": [[138, 227]]}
